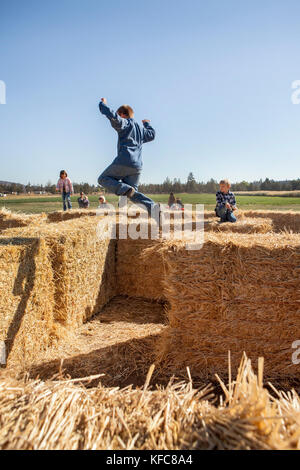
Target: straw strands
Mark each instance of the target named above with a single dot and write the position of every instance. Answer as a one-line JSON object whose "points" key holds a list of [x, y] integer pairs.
{"points": [[10, 219], [26, 300], [244, 225], [236, 285], [62, 414], [137, 274], [72, 271], [238, 293], [118, 342], [282, 220]]}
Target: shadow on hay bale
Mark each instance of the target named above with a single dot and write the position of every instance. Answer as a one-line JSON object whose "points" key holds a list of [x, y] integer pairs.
{"points": [[60, 216], [10, 219], [26, 317], [122, 364], [127, 330], [72, 275]]}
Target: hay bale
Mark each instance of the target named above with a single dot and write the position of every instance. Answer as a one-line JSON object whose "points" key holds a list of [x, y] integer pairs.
{"points": [[139, 275], [60, 216], [63, 415], [282, 220], [10, 219], [83, 267], [136, 274], [238, 293], [244, 225], [26, 301]]}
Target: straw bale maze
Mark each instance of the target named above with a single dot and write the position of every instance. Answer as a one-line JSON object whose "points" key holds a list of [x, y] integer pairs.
{"points": [[115, 306], [84, 318]]}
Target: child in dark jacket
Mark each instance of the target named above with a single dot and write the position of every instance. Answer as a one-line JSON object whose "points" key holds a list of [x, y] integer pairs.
{"points": [[226, 203], [123, 175]]}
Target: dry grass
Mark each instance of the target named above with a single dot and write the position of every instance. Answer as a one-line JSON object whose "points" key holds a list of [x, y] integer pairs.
{"points": [[62, 414]]}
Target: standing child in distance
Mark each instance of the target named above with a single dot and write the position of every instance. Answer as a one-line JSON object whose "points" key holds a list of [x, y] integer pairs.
{"points": [[65, 187], [226, 203], [123, 175]]}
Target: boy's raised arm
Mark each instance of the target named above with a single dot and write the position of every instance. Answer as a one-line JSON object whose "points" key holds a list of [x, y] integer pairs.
{"points": [[148, 131], [116, 121]]}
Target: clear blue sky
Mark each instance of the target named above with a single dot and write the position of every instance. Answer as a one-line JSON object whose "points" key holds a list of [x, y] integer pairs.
{"points": [[213, 76]]}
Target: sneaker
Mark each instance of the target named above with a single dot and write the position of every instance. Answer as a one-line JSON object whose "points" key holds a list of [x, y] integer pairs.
{"points": [[130, 193]]}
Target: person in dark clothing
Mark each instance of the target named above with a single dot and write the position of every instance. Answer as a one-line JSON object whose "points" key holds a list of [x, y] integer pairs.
{"points": [[179, 203], [171, 200], [226, 203], [83, 201]]}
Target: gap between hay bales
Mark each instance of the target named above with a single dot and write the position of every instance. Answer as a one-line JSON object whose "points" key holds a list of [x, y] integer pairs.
{"points": [[118, 342]]}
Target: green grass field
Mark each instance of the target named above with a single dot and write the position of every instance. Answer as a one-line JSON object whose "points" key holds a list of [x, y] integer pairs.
{"points": [[35, 204]]}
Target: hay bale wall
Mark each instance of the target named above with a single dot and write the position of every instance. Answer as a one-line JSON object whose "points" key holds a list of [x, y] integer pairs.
{"points": [[140, 269], [84, 272], [82, 265], [53, 278], [282, 220], [10, 219], [238, 293], [26, 300]]}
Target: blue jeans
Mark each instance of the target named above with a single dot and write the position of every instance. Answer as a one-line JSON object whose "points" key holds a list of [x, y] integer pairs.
{"points": [[66, 201], [225, 214], [119, 179]]}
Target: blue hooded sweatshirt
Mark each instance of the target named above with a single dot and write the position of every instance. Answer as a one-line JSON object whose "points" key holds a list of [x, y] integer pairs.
{"points": [[131, 137]]}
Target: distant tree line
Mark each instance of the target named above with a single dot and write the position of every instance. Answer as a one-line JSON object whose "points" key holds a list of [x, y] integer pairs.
{"points": [[175, 186], [48, 188], [211, 186]]}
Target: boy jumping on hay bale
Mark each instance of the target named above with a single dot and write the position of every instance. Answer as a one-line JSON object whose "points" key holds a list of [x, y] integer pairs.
{"points": [[123, 175], [226, 203]]}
